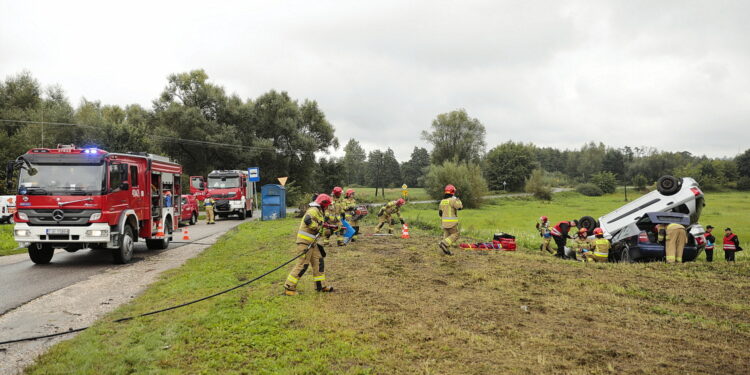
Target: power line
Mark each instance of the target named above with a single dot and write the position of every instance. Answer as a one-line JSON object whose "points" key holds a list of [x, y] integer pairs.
{"points": [[8, 122]]}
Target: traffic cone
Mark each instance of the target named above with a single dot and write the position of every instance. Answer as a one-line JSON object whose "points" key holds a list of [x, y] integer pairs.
{"points": [[185, 234], [405, 231], [160, 230]]}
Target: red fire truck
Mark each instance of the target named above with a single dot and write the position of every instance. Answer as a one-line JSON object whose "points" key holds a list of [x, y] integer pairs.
{"points": [[73, 198], [230, 190], [198, 187]]}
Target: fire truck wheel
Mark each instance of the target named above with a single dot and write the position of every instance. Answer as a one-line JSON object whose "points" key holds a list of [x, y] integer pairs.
{"points": [[41, 253], [193, 218], [242, 214], [124, 253], [162, 243]]}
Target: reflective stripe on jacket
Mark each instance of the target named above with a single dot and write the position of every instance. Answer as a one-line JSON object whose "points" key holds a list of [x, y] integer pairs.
{"points": [[601, 247], [448, 210], [306, 233], [729, 243], [558, 231], [391, 209]]}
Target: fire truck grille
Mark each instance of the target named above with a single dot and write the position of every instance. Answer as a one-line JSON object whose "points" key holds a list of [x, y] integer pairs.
{"points": [[62, 217]]}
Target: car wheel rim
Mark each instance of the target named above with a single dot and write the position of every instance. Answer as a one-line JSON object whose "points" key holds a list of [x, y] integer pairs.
{"points": [[128, 246]]}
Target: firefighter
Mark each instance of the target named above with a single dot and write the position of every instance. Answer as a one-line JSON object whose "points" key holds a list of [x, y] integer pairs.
{"points": [[310, 228], [600, 246], [448, 211], [731, 245], [333, 215], [710, 244], [350, 207], [386, 212], [543, 227], [581, 244], [209, 204], [560, 234], [674, 238]]}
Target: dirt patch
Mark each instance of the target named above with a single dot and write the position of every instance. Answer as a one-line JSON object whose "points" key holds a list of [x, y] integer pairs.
{"points": [[482, 312]]}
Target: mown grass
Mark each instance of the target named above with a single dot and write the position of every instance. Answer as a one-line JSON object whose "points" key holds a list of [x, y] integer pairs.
{"points": [[7, 245], [517, 216], [401, 307], [367, 194], [254, 330]]}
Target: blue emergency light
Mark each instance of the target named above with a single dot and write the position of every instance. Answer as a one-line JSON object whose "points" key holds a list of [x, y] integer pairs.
{"points": [[90, 150]]}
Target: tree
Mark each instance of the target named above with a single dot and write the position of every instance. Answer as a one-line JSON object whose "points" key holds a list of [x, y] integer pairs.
{"points": [[391, 169], [614, 161], [743, 163], [330, 173], [511, 163], [471, 187], [457, 137], [354, 163], [375, 166], [606, 181], [413, 170], [536, 186]]}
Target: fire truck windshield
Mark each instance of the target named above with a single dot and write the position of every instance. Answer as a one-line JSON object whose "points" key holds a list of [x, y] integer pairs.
{"points": [[63, 179], [223, 182]]}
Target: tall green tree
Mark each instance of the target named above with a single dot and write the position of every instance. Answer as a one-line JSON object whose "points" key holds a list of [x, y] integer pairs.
{"points": [[456, 136], [743, 163], [354, 163], [413, 171], [511, 163], [392, 169]]}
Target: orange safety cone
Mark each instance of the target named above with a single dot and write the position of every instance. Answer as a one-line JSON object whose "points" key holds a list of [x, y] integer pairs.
{"points": [[160, 230], [185, 234], [405, 231]]}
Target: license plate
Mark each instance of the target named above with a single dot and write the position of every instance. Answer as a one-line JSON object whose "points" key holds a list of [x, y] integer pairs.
{"points": [[58, 231]]}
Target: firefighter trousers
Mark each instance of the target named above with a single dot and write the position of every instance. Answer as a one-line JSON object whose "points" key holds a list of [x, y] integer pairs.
{"points": [[450, 236], [313, 259], [560, 241], [590, 257], [210, 214], [545, 245], [676, 240], [385, 219]]}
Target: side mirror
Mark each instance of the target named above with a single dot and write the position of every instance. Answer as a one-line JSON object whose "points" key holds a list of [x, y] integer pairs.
{"points": [[32, 171], [124, 186], [202, 185]]}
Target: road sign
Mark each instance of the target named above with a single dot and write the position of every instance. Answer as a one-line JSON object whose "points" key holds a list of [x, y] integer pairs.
{"points": [[253, 174], [282, 180]]}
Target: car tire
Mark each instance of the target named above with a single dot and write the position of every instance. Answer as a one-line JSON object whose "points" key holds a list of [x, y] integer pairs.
{"points": [[589, 223], [162, 243], [625, 255], [193, 218], [41, 253], [668, 185], [124, 253]]}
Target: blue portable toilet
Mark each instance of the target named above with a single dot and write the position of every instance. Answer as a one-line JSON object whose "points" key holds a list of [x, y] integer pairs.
{"points": [[273, 202]]}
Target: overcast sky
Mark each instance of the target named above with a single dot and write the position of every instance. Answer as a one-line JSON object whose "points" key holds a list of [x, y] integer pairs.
{"points": [[673, 75]]}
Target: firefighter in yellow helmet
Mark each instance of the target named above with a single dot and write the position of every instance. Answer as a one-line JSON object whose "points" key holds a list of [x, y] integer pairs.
{"points": [[310, 227], [448, 211], [333, 216], [601, 247], [386, 213], [674, 237], [350, 208]]}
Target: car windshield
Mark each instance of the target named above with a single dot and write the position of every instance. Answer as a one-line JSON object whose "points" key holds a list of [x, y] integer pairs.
{"points": [[223, 182], [196, 183], [62, 179]]}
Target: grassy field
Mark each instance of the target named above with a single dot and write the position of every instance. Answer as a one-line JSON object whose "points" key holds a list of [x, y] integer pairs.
{"points": [[367, 194], [401, 307], [7, 245], [518, 215]]}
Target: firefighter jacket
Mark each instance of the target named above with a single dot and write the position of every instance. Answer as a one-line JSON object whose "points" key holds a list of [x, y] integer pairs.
{"points": [[601, 247], [561, 229], [731, 243], [391, 208], [350, 205], [543, 228], [664, 231], [581, 244], [448, 211], [710, 241], [333, 212], [209, 202], [310, 226]]}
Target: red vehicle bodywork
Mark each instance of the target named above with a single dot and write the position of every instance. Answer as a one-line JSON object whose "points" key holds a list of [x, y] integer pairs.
{"points": [[189, 209], [132, 193], [198, 187], [229, 188]]}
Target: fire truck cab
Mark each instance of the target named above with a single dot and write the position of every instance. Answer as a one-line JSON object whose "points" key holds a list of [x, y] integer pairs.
{"points": [[230, 190], [73, 198]]}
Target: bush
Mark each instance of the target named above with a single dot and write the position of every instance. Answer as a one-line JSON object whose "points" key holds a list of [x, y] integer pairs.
{"points": [[743, 183], [640, 181], [471, 187], [589, 190], [536, 186], [606, 181]]}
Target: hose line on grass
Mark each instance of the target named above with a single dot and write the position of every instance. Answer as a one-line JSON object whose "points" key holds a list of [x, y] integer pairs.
{"points": [[164, 309]]}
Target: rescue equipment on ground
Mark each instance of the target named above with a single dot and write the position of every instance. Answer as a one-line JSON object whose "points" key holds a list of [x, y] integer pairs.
{"points": [[500, 241]]}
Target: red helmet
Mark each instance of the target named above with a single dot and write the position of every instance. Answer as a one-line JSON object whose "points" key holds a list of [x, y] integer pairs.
{"points": [[450, 189], [337, 191], [349, 192], [583, 231], [598, 232], [324, 200], [400, 202], [543, 218]]}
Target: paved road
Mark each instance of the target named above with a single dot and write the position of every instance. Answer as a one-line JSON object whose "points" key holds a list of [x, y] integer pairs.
{"points": [[22, 281]]}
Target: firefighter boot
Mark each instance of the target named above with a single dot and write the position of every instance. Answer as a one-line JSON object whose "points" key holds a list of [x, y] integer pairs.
{"points": [[290, 292], [445, 249], [325, 289]]}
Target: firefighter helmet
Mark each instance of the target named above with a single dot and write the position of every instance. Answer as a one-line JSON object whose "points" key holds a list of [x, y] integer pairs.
{"points": [[543, 219], [323, 200], [400, 202], [349, 192], [337, 191], [450, 189], [598, 231], [583, 231]]}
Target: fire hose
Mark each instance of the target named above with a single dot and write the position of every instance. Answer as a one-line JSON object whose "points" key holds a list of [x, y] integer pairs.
{"points": [[171, 307]]}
